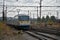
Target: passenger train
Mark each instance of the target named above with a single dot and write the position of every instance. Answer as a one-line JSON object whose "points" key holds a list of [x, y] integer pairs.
{"points": [[23, 22]]}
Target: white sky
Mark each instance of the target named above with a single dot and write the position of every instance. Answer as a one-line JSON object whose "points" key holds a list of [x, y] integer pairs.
{"points": [[31, 3]]}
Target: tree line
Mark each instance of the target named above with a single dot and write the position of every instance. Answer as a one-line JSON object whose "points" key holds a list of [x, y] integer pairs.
{"points": [[47, 19]]}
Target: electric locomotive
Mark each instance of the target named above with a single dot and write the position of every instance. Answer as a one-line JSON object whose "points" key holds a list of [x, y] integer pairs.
{"points": [[24, 22]]}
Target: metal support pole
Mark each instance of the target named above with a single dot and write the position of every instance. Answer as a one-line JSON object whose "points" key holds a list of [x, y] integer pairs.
{"points": [[37, 11], [3, 11], [33, 16], [40, 7], [28, 12], [6, 14], [18, 10], [18, 13], [57, 14]]}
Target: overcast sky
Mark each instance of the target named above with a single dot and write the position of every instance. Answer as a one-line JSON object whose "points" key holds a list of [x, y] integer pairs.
{"points": [[31, 3]]}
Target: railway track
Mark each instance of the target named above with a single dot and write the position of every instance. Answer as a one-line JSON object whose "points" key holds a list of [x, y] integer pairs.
{"points": [[41, 36]]}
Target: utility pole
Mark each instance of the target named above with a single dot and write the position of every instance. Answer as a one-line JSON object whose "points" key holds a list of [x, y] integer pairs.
{"points": [[18, 10], [49, 14], [33, 16], [5, 14], [28, 12], [37, 11], [57, 14], [40, 7], [3, 11]]}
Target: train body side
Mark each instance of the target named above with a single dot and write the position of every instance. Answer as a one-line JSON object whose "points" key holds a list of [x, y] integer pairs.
{"points": [[23, 22]]}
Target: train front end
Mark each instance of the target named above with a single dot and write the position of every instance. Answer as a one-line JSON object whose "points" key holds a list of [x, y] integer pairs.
{"points": [[24, 22]]}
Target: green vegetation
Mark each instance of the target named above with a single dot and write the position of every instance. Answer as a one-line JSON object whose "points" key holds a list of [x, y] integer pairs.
{"points": [[47, 19], [43, 19], [50, 22], [47, 25], [53, 18], [38, 19]]}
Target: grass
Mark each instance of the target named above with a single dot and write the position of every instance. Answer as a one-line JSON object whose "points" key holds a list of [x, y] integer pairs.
{"points": [[4, 30], [41, 27]]}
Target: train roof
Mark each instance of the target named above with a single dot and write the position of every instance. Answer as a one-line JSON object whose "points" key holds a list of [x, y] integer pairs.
{"points": [[21, 15]]}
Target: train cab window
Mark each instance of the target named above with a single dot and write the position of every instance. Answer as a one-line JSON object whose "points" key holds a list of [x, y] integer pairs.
{"points": [[23, 18]]}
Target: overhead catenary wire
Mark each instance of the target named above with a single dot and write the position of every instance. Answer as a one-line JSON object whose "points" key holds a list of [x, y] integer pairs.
{"points": [[28, 6]]}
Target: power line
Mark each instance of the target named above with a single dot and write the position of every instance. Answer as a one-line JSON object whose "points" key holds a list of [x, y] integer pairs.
{"points": [[28, 6], [33, 10]]}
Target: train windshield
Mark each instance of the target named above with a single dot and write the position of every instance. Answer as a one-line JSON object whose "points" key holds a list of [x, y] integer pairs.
{"points": [[23, 18]]}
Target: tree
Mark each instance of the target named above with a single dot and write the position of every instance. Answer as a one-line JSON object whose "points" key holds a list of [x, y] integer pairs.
{"points": [[53, 18], [38, 19], [43, 19], [47, 18]]}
